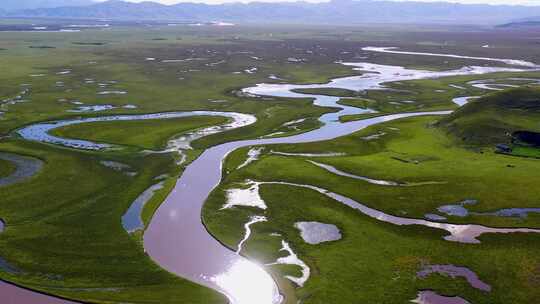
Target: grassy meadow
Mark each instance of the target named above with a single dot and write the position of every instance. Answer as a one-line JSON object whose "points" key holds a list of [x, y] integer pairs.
{"points": [[149, 135], [63, 226], [385, 258]]}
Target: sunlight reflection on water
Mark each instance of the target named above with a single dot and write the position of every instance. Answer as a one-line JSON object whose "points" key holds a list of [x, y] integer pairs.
{"points": [[247, 283]]}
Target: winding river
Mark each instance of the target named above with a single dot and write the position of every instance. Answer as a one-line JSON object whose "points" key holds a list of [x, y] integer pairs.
{"points": [[176, 238], [196, 254], [41, 132]]}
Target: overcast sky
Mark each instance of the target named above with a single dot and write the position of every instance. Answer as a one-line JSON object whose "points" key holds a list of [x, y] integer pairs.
{"points": [[524, 2]]}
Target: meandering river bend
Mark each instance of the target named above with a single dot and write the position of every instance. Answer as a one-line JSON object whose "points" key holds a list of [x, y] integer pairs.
{"points": [[176, 238], [196, 254]]}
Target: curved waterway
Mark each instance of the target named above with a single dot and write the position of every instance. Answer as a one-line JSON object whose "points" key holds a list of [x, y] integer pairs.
{"points": [[177, 239], [196, 255], [41, 131], [395, 50], [26, 167]]}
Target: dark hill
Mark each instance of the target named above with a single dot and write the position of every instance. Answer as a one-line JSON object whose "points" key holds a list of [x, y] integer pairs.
{"points": [[496, 118]]}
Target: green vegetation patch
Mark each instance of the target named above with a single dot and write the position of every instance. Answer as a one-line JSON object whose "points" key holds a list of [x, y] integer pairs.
{"points": [[373, 260], [72, 212], [376, 260], [6, 168], [495, 119], [146, 134], [65, 231], [524, 151], [428, 94]]}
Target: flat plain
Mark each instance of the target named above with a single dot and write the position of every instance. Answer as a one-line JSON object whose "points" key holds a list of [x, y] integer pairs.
{"points": [[63, 230]]}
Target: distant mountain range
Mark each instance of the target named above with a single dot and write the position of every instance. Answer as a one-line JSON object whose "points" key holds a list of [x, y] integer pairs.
{"points": [[524, 22], [521, 24], [334, 12], [528, 22], [11, 5]]}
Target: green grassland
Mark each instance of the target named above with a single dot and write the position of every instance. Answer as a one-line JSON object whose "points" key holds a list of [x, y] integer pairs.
{"points": [[494, 118], [526, 151], [375, 260], [418, 95], [73, 214], [424, 95], [63, 226], [151, 86], [416, 153], [6, 168], [65, 235], [149, 134], [379, 260]]}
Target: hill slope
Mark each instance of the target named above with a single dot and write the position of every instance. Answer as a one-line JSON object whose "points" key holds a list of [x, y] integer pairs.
{"points": [[510, 117]]}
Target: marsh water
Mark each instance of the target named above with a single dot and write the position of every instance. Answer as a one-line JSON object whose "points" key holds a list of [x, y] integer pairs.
{"points": [[315, 232], [177, 239], [454, 272], [196, 254], [25, 167], [41, 131], [12, 294]]}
